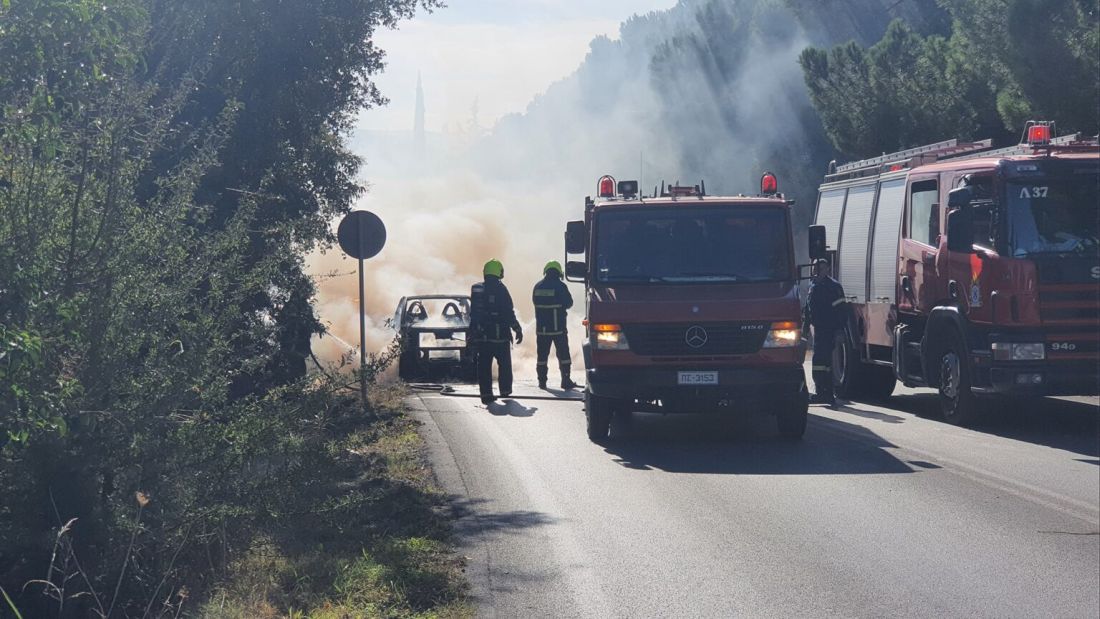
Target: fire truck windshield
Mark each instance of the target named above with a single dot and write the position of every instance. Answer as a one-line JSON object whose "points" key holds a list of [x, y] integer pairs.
{"points": [[1053, 216], [693, 245]]}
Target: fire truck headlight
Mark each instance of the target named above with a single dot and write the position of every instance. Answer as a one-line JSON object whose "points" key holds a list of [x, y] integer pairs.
{"points": [[610, 337], [1017, 351], [783, 335]]}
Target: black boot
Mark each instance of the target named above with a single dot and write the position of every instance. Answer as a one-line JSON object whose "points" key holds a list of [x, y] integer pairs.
{"points": [[567, 383]]}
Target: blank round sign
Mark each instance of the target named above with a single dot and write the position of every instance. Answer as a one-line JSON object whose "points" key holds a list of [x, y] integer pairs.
{"points": [[361, 234]]}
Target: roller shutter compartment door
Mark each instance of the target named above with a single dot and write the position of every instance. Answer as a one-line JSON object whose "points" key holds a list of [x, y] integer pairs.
{"points": [[853, 252], [884, 250], [830, 212]]}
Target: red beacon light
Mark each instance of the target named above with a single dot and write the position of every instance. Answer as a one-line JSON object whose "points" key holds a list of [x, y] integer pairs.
{"points": [[769, 184], [606, 187], [1038, 133]]}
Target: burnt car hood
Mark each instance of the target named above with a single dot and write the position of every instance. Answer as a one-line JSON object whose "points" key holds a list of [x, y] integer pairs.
{"points": [[654, 303]]}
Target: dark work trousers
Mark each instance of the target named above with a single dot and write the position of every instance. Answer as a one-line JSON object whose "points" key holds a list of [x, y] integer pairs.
{"points": [[542, 350], [824, 340], [486, 352]]}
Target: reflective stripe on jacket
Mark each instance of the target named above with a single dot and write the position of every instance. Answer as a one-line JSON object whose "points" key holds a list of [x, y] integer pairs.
{"points": [[551, 299]]}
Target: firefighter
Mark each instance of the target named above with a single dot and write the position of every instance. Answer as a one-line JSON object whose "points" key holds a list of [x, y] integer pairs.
{"points": [[551, 299], [492, 321], [826, 312]]}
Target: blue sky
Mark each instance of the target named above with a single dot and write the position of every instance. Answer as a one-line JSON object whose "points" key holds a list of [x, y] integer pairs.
{"points": [[499, 52]]}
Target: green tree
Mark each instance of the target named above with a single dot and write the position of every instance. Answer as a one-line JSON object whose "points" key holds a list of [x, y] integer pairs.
{"points": [[163, 167], [1042, 57], [300, 72], [903, 91], [1005, 61]]}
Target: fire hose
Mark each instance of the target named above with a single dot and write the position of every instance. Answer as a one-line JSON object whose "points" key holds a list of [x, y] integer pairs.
{"points": [[449, 391]]}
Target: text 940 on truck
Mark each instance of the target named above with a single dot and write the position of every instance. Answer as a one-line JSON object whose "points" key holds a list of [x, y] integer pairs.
{"points": [[692, 304], [971, 270]]}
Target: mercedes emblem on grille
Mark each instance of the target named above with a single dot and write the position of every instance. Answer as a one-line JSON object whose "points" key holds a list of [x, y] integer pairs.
{"points": [[696, 337]]}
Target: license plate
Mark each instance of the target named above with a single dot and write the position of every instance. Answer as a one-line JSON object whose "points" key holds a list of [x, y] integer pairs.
{"points": [[697, 378]]}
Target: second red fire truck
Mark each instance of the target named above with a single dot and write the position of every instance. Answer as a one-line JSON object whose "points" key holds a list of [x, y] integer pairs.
{"points": [[970, 270]]}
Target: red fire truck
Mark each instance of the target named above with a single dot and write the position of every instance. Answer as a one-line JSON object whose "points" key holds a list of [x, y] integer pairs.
{"points": [[692, 304], [970, 270]]}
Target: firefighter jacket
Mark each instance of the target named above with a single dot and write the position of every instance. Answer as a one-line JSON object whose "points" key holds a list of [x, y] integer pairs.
{"points": [[826, 306], [551, 298], [492, 314]]}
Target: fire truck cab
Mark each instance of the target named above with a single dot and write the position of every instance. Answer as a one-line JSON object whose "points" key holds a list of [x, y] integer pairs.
{"points": [[970, 270], [692, 304]]}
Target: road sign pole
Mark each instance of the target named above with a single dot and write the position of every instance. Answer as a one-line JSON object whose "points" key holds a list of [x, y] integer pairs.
{"points": [[362, 336], [362, 235]]}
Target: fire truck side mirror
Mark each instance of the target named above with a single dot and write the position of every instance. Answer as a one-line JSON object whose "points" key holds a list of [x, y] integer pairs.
{"points": [[960, 198], [575, 237], [960, 231], [576, 271], [817, 243]]}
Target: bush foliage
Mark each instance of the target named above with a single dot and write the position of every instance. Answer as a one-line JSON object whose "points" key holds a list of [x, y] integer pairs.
{"points": [[163, 168]]}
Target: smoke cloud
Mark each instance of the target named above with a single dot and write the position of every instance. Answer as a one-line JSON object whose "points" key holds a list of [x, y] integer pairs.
{"points": [[706, 90]]}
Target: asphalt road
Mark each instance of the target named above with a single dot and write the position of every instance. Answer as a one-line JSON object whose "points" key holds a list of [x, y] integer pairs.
{"points": [[878, 511]]}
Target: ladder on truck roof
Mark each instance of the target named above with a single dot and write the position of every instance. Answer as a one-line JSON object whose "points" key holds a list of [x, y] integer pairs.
{"points": [[908, 158], [948, 149], [1025, 149]]}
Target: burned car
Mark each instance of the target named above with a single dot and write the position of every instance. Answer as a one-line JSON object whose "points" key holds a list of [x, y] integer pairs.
{"points": [[433, 330]]}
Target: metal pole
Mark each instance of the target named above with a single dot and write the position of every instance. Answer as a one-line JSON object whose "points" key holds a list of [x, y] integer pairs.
{"points": [[362, 337]]}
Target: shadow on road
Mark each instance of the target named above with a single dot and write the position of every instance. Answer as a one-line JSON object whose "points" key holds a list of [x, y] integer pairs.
{"points": [[465, 508], [510, 408], [1062, 424], [472, 519], [749, 446], [869, 414]]}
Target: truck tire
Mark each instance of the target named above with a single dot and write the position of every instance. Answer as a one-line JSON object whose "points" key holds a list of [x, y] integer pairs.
{"points": [[845, 364], [597, 413], [855, 380], [957, 401], [792, 416], [878, 381]]}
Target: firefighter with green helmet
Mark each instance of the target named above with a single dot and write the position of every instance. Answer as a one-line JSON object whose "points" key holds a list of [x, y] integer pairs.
{"points": [[551, 299], [492, 322]]}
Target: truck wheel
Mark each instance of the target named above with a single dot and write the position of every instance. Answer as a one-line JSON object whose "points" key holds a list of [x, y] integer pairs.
{"points": [[854, 379], [957, 402], [598, 413], [878, 381], [791, 419], [845, 364]]}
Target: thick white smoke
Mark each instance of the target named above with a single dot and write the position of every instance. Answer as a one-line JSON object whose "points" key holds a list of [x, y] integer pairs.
{"points": [[508, 194]]}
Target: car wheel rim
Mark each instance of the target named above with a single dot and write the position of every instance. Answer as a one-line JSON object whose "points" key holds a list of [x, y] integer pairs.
{"points": [[949, 375]]}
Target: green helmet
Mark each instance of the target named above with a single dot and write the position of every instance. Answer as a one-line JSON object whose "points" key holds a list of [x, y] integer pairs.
{"points": [[553, 265], [494, 268]]}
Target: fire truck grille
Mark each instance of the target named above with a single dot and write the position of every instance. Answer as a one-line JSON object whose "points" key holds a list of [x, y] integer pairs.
{"points": [[737, 338], [1072, 304], [1071, 317]]}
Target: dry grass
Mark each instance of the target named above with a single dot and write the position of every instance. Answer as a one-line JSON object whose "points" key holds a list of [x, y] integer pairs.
{"points": [[387, 556]]}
